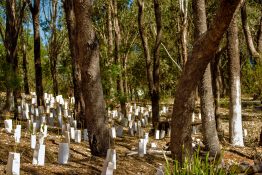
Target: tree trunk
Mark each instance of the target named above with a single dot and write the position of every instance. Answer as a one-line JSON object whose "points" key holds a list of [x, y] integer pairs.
{"points": [[13, 26], [216, 84], [110, 42], [155, 97], [79, 107], [203, 52], [88, 53], [235, 122], [184, 21], [118, 60], [152, 71], [205, 88], [26, 86], [251, 47], [35, 9]]}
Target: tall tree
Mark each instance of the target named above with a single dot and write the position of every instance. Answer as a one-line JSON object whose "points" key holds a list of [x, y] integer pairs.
{"points": [[118, 58], [87, 51], [79, 107], [202, 53], [14, 19], [235, 122], [205, 88], [256, 52], [24, 55], [152, 69], [55, 39], [35, 10]]}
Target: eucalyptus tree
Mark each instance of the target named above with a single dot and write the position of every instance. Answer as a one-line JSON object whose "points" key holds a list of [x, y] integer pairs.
{"points": [[205, 88], [235, 122], [152, 65], [34, 6], [202, 53], [14, 18], [79, 107], [86, 50], [254, 49], [54, 35]]}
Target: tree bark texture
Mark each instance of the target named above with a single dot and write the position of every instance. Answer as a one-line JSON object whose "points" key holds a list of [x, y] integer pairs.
{"points": [[235, 122], [88, 53], [183, 29], [203, 52], [155, 96], [79, 107], [24, 50], [216, 84], [35, 10], [205, 88]]}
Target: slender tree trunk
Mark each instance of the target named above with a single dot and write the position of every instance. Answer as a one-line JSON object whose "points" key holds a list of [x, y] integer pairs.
{"points": [[216, 84], [110, 42], [203, 52], [155, 97], [183, 18], [79, 107], [251, 47], [205, 88], [235, 122], [26, 86], [88, 53], [118, 60]]}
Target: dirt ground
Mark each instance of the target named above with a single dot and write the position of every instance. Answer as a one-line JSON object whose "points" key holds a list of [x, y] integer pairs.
{"points": [[81, 161]]}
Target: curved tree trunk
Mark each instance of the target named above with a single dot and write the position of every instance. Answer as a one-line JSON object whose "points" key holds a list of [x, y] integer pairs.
{"points": [[203, 52], [88, 53], [206, 93], [235, 122]]}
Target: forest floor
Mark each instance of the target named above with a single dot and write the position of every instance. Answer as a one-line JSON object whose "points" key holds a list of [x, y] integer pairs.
{"points": [[82, 162]]}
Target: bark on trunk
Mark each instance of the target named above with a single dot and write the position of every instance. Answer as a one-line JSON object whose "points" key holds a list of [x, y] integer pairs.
{"points": [[118, 60], [88, 54], [205, 88], [35, 10], [156, 64], [79, 107], [184, 21], [203, 51], [235, 122], [216, 84], [152, 70], [54, 46], [26, 86]]}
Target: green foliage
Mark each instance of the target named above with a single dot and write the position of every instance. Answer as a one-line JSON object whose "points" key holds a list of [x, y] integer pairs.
{"points": [[251, 79], [197, 166]]}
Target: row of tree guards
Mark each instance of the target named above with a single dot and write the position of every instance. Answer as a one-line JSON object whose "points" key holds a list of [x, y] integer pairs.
{"points": [[89, 104], [58, 114]]}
